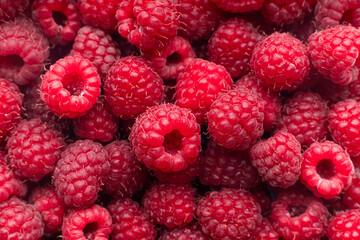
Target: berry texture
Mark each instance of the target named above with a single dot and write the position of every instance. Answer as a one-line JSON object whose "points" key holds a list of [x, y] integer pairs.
{"points": [[327, 169], [77, 175], [265, 231], [166, 138], [344, 225], [199, 85], [236, 119], [236, 6], [9, 9], [280, 61], [186, 233], [351, 197], [71, 87], [181, 177]]}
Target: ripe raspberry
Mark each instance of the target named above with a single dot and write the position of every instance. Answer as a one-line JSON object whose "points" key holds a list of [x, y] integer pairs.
{"points": [[171, 205], [166, 138], [127, 174], [24, 48], [10, 107], [232, 44], [10, 9], [344, 225], [280, 62], [334, 53], [93, 222], [181, 177], [351, 197], [237, 6], [51, 207], [199, 85], [33, 148], [130, 221], [269, 99], [19, 220], [344, 127], [77, 175], [265, 231], [236, 119], [327, 169], [146, 23], [186, 233], [229, 214], [231, 169], [297, 215], [131, 86], [60, 19], [304, 115], [98, 47], [71, 87]]}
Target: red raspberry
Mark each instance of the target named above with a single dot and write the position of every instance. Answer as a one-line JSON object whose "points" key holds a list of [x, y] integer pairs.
{"points": [[232, 44], [9, 9], [222, 167], [344, 127], [327, 169], [77, 175], [236, 119], [166, 138], [181, 177], [51, 207], [131, 86], [265, 231], [344, 225], [280, 62], [93, 222], [297, 215], [229, 214], [98, 123], [269, 99], [10, 107], [130, 221], [304, 115], [237, 6], [351, 197], [334, 53], [127, 174], [199, 85], [71, 87], [146, 23], [98, 47], [60, 19], [24, 48], [34, 147], [186, 233], [171, 205]]}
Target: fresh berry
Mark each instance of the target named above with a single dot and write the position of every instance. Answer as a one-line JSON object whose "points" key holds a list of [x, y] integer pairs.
{"points": [[351, 197], [9, 9], [166, 138], [327, 169], [181, 177], [237, 6], [344, 225], [265, 231], [280, 61], [131, 86], [71, 87], [77, 175], [187, 233]]}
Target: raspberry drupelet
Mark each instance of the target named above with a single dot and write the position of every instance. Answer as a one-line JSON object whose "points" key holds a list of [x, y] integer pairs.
{"points": [[9, 9], [265, 231], [71, 87], [351, 197], [236, 6], [344, 225]]}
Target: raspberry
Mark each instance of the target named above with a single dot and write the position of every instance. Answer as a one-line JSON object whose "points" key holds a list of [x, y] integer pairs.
{"points": [[280, 62], [166, 138], [24, 48], [146, 23], [236, 119], [130, 221], [269, 99], [60, 19], [78, 173], [10, 107], [186, 233], [181, 177], [304, 115], [343, 125], [71, 87], [98, 123], [171, 205], [327, 169], [298, 215], [127, 174], [34, 147], [52, 209], [131, 86], [334, 53], [351, 197], [19, 220], [232, 44], [344, 225], [9, 9], [265, 231], [98, 47], [90, 223], [232, 169], [199, 85], [229, 214], [237, 6]]}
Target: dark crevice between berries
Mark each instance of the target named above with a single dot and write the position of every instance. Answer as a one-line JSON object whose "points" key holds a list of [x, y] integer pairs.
{"points": [[59, 18], [73, 83], [173, 142], [90, 230], [11, 61], [174, 59], [347, 17], [296, 211], [326, 169]]}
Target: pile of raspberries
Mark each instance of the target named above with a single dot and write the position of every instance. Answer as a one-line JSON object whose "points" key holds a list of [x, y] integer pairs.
{"points": [[180, 119]]}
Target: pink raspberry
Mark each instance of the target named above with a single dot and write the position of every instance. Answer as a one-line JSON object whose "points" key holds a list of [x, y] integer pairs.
{"points": [[181, 177], [344, 225], [237, 6], [9, 9], [187, 233]]}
